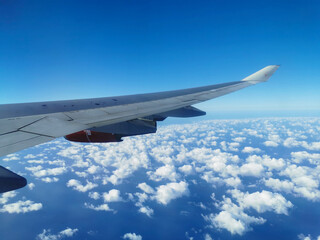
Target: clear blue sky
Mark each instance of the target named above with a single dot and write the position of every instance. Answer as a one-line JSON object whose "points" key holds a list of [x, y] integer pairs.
{"points": [[53, 50]]}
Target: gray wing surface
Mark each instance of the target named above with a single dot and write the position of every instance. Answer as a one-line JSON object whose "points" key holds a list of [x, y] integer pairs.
{"points": [[28, 124]]}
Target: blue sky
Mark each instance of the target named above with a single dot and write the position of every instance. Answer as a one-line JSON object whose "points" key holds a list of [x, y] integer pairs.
{"points": [[53, 50]]}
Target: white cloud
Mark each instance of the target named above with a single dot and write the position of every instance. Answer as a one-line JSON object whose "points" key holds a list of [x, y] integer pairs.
{"points": [[21, 207], [170, 191], [233, 146], [303, 237], [132, 236], [186, 169], [29, 156], [11, 157], [273, 140], [112, 196], [102, 207], [164, 172], [271, 144], [251, 150], [253, 132], [146, 210], [46, 234], [273, 163], [292, 142], [239, 139], [49, 180], [94, 195], [68, 232], [278, 185], [305, 180], [262, 201], [38, 171], [6, 196], [181, 150], [146, 188], [313, 158], [207, 237], [233, 181], [252, 169], [31, 186], [76, 185], [93, 169], [142, 197], [232, 218]]}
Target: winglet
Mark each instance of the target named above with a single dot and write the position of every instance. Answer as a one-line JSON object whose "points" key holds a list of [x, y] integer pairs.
{"points": [[262, 75]]}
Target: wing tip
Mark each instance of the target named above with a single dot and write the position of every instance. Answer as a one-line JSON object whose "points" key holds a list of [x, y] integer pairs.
{"points": [[262, 75]]}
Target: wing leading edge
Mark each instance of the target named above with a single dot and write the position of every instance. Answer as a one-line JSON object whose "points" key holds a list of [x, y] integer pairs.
{"points": [[29, 124]]}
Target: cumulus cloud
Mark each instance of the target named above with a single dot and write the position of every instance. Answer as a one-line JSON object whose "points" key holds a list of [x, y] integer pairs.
{"points": [[102, 207], [291, 142], [270, 144], [146, 210], [304, 237], [252, 169], [262, 201], [170, 191], [76, 185], [186, 169], [164, 172], [6, 196], [112, 196], [278, 185], [49, 180], [207, 237], [232, 218], [93, 169], [313, 158], [38, 171], [47, 235], [239, 139], [31, 186], [251, 150], [146, 188], [94, 195], [273, 141], [11, 157], [177, 151], [21, 207], [305, 180], [132, 236]]}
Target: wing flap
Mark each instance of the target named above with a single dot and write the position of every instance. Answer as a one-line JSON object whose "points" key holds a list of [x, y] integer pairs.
{"points": [[188, 111], [15, 137], [53, 127], [20, 145], [13, 124]]}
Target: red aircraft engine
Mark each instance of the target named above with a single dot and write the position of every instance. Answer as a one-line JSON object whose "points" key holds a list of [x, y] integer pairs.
{"points": [[93, 137]]}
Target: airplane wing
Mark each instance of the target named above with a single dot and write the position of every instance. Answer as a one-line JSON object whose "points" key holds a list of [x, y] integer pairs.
{"points": [[101, 119], [106, 119]]}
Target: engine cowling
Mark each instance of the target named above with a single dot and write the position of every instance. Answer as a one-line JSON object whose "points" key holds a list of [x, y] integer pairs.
{"points": [[10, 181], [114, 132], [93, 137]]}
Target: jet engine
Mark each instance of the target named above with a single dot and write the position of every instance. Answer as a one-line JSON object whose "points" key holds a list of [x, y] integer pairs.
{"points": [[10, 181], [140, 126], [114, 132]]}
